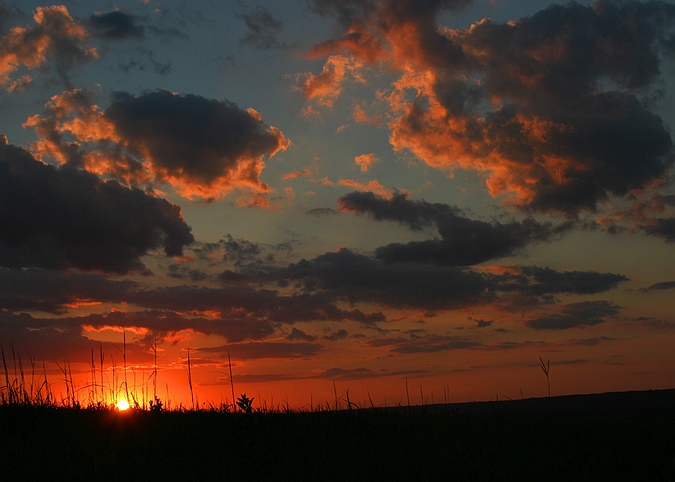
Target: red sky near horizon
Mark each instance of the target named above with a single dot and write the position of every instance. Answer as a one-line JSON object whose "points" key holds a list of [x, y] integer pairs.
{"points": [[374, 197]]}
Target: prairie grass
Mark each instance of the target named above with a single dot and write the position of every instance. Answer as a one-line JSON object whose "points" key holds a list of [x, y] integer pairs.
{"points": [[43, 436]]}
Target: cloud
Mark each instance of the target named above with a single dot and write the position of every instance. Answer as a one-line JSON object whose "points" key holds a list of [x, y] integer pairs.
{"points": [[55, 41], [364, 161], [53, 292], [57, 218], [541, 280], [464, 241], [203, 148], [482, 323], [337, 335], [243, 302], [326, 87], [662, 227], [296, 334], [32, 337], [255, 350], [357, 278], [115, 25], [162, 324], [360, 373], [428, 344], [263, 29], [663, 285], [587, 313], [547, 108], [373, 186]]}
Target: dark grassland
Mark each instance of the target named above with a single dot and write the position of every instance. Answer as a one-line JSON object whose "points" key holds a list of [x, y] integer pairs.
{"points": [[499, 441]]}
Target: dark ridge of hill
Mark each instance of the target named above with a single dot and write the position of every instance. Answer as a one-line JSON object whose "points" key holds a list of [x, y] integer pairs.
{"points": [[631, 402]]}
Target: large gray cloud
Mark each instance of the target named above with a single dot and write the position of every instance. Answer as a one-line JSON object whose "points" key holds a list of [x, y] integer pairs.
{"points": [[464, 241], [358, 278], [204, 148], [59, 218], [194, 140], [52, 291], [554, 109]]}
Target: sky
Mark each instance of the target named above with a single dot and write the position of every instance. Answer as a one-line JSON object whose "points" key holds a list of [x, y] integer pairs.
{"points": [[380, 200]]}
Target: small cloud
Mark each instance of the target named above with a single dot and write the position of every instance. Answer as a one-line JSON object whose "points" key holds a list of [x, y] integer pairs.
{"points": [[337, 335], [663, 285], [321, 212], [587, 313], [299, 335], [364, 161], [263, 29], [115, 25]]}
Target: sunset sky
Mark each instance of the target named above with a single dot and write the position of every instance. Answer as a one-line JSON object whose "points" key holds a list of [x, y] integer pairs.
{"points": [[345, 196]]}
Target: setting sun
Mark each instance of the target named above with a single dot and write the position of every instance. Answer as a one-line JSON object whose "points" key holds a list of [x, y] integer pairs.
{"points": [[122, 405]]}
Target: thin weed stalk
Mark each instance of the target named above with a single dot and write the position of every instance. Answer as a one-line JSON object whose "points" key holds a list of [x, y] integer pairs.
{"points": [[546, 368], [189, 374], [229, 363]]}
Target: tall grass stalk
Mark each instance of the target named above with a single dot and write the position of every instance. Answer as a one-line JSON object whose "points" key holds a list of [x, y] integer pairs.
{"points": [[546, 368], [189, 374], [229, 364], [407, 394]]}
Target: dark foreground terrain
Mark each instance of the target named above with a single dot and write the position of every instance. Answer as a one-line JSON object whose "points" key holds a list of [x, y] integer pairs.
{"points": [[629, 436]]}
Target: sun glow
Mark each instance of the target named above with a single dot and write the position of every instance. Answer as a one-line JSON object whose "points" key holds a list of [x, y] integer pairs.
{"points": [[122, 405]]}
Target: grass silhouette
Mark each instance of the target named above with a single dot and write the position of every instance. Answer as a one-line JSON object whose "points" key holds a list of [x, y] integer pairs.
{"points": [[43, 436]]}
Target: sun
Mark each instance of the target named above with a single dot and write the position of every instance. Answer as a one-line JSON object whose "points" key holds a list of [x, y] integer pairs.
{"points": [[122, 405]]}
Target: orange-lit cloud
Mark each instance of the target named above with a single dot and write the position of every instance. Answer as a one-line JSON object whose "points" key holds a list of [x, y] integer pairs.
{"points": [[306, 172], [326, 87], [54, 37], [147, 140], [373, 186], [364, 161], [522, 102], [362, 117]]}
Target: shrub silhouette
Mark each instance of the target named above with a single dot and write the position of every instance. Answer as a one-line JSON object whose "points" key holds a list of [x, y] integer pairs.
{"points": [[245, 403]]}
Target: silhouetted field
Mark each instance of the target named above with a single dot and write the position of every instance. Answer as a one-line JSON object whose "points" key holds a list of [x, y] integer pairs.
{"points": [[492, 441]]}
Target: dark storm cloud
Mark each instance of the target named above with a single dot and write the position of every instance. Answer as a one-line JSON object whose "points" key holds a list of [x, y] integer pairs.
{"points": [[464, 241], [249, 351], [194, 141], [58, 218], [115, 25], [574, 315], [549, 107]]}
